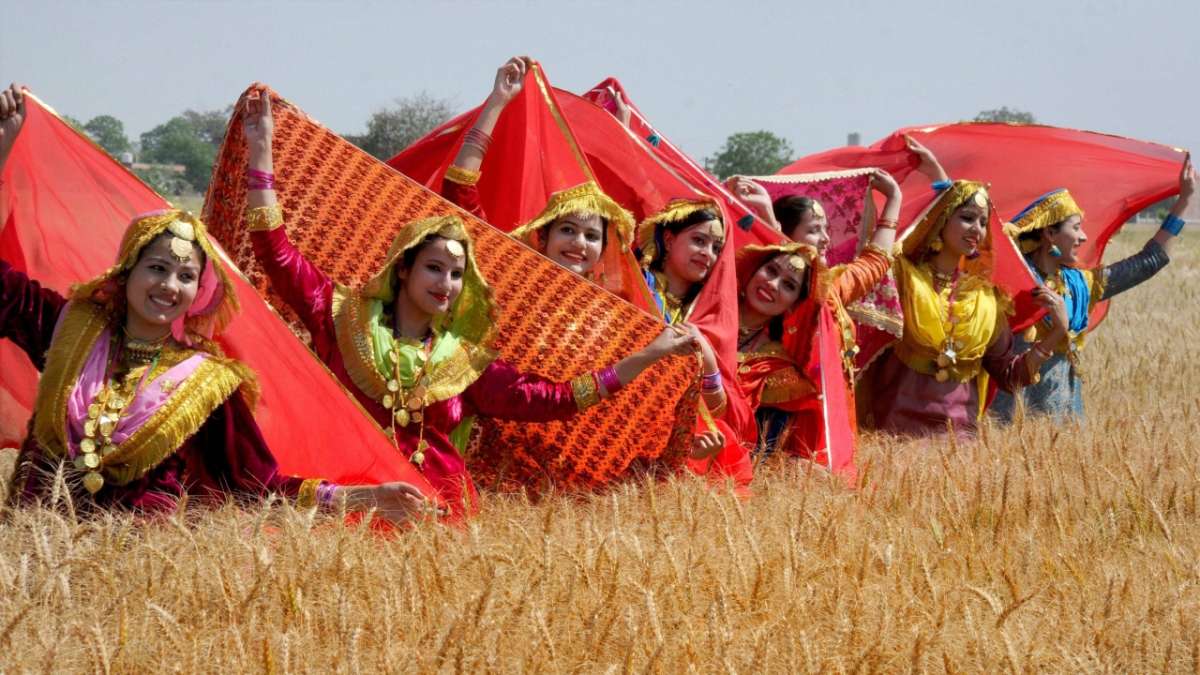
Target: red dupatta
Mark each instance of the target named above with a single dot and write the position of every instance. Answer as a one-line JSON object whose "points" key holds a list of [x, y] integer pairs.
{"points": [[65, 203], [1110, 177]]}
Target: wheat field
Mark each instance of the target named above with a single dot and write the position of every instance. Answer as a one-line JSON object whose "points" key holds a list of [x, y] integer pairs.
{"points": [[1035, 548]]}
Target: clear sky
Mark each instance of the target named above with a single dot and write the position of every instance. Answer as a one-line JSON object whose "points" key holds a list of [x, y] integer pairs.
{"points": [[810, 72]]}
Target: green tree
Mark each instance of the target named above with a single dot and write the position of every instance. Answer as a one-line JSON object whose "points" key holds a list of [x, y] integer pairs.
{"points": [[109, 133], [750, 153], [1004, 114], [180, 142], [210, 125], [390, 130]]}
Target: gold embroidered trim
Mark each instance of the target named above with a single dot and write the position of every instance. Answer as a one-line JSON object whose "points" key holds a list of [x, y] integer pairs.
{"points": [[187, 408], [447, 378], [264, 218], [462, 176], [786, 384], [584, 198]]}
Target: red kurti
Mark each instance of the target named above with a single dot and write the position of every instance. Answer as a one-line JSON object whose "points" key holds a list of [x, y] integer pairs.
{"points": [[500, 391], [227, 455]]}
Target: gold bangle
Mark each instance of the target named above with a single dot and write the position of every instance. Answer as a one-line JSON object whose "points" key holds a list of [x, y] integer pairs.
{"points": [[264, 218], [457, 174], [306, 496], [587, 394]]}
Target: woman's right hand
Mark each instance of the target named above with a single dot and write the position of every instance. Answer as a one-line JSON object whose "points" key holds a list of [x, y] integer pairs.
{"points": [[929, 166], [510, 79], [12, 115], [1053, 304], [398, 502]]}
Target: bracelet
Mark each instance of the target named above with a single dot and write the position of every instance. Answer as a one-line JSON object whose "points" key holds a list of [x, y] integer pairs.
{"points": [[886, 224], [940, 185], [609, 379], [585, 391], [711, 384], [259, 180], [479, 139], [264, 218], [1173, 224], [325, 493]]}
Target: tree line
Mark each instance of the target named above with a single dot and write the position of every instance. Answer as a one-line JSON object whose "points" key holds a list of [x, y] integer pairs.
{"points": [[192, 139]]}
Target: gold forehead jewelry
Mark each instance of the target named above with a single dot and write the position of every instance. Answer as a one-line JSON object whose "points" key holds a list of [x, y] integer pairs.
{"points": [[981, 198], [818, 210], [181, 242], [797, 262], [455, 248]]}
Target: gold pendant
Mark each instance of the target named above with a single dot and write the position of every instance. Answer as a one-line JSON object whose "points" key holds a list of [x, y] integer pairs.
{"points": [[92, 482], [942, 375], [418, 392], [108, 450], [942, 361], [89, 427], [87, 445], [417, 416], [107, 424], [116, 403], [393, 386], [414, 404], [402, 417], [94, 410], [89, 461], [388, 400]]}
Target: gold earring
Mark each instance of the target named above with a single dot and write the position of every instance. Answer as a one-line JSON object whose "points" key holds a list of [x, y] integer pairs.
{"points": [[936, 244]]}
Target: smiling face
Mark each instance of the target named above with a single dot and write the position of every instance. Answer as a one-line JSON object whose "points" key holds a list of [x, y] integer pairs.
{"points": [[965, 228], [433, 280], [813, 229], [575, 241], [692, 252], [161, 286], [1069, 237], [775, 287]]}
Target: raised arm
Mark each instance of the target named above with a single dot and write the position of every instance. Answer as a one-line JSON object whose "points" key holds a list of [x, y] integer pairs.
{"points": [[12, 118], [929, 166], [303, 286], [755, 197]]}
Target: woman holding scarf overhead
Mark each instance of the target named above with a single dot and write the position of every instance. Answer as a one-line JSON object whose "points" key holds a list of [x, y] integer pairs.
{"points": [[956, 333], [412, 344], [783, 288], [137, 406], [1050, 234]]}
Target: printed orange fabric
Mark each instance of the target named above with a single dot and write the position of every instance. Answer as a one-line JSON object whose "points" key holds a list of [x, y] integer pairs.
{"points": [[1111, 177], [65, 205], [344, 209]]}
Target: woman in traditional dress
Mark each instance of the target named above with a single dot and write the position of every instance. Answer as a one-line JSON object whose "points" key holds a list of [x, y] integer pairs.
{"points": [[412, 345], [783, 287], [581, 228], [1050, 234], [136, 406], [956, 333]]}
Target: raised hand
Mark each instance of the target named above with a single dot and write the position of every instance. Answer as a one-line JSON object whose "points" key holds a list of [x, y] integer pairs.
{"points": [[885, 184], [622, 112], [12, 115], [929, 165], [510, 78], [673, 340], [1187, 178], [258, 124]]}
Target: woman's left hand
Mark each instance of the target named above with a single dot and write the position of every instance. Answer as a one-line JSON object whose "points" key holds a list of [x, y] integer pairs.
{"points": [[886, 185], [1187, 179], [1053, 304], [258, 128]]}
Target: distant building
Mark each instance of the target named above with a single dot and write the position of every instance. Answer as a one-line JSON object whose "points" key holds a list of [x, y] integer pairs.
{"points": [[126, 158], [853, 138]]}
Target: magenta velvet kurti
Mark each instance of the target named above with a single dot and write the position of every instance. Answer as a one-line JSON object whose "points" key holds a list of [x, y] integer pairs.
{"points": [[227, 454], [500, 391]]}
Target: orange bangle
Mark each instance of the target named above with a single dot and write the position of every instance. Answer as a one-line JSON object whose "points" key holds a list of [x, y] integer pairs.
{"points": [[885, 224]]}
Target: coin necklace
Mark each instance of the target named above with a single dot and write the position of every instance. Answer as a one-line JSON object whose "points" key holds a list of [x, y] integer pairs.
{"points": [[104, 412], [949, 350], [407, 404]]}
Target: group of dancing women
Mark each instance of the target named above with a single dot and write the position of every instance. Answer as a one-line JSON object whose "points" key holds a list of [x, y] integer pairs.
{"points": [[138, 408]]}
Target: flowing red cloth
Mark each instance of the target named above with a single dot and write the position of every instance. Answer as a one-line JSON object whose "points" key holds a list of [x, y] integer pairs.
{"points": [[64, 205], [1111, 177], [749, 230], [343, 209]]}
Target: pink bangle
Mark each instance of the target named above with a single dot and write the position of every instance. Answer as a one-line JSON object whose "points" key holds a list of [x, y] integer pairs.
{"points": [[259, 180], [478, 139], [610, 380]]}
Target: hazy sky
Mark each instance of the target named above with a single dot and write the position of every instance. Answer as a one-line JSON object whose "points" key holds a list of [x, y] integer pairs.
{"points": [[699, 70]]}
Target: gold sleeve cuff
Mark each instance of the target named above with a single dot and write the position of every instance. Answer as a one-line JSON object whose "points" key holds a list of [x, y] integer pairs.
{"points": [[585, 391], [457, 174], [306, 496], [878, 249], [264, 218]]}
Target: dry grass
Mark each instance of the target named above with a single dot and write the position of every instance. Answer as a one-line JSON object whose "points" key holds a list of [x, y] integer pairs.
{"points": [[1033, 549]]}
